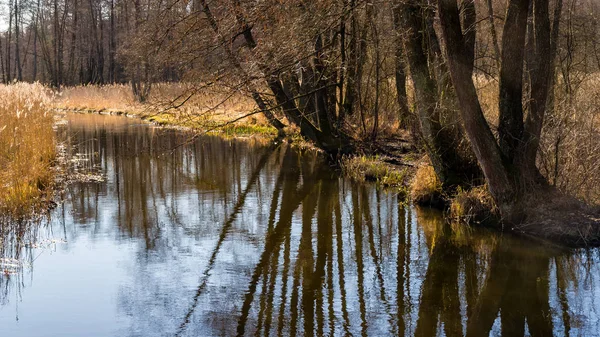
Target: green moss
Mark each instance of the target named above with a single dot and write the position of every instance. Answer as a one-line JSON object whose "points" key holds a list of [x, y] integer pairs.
{"points": [[248, 129], [365, 168], [202, 124]]}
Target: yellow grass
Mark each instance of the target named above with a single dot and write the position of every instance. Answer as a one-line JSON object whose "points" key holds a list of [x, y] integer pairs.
{"points": [[214, 103], [426, 188], [27, 146]]}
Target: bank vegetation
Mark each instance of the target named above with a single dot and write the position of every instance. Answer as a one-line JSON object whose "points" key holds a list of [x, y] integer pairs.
{"points": [[27, 148]]}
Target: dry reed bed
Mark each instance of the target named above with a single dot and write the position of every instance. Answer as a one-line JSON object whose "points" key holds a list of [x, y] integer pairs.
{"points": [[27, 147], [168, 103]]}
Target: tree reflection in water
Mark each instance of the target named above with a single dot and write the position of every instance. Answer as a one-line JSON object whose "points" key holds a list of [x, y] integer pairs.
{"points": [[237, 238]]}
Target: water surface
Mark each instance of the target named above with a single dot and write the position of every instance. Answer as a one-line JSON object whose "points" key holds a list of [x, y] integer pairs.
{"points": [[176, 236]]}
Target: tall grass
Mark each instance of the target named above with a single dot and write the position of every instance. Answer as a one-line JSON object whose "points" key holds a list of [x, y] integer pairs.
{"points": [[27, 147], [213, 103]]}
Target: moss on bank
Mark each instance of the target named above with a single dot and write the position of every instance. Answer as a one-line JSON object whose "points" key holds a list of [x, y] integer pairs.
{"points": [[375, 169]]}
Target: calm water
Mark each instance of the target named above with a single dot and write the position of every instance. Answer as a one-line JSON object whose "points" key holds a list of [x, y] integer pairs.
{"points": [[221, 238]]}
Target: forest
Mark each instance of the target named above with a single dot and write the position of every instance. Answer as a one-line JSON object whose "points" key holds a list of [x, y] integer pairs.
{"points": [[501, 96]]}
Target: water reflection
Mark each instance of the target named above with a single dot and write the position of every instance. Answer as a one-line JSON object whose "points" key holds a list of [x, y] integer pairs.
{"points": [[222, 238]]}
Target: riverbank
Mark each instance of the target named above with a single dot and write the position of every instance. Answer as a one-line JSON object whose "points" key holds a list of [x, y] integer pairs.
{"points": [[390, 162]]}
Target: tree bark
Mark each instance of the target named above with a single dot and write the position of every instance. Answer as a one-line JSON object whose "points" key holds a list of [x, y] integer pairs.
{"points": [[400, 73], [235, 62], [17, 42], [493, 33], [542, 75], [478, 131], [441, 140], [510, 126]]}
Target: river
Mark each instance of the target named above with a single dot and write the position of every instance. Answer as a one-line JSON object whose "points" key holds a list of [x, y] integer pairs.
{"points": [[179, 236]]}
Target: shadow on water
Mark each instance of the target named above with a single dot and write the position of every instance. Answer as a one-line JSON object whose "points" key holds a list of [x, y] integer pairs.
{"points": [[222, 238]]}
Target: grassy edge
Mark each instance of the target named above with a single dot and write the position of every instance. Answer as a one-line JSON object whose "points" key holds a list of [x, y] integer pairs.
{"points": [[375, 169], [361, 168]]}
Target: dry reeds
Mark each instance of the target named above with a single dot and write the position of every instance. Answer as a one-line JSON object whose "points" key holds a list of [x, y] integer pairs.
{"points": [[473, 206], [190, 103], [426, 188], [27, 146]]}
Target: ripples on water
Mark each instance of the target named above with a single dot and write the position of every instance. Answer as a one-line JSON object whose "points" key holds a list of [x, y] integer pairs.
{"points": [[222, 238]]}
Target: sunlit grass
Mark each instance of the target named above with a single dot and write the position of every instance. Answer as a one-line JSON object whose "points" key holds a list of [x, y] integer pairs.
{"points": [[27, 147], [368, 168], [426, 188]]}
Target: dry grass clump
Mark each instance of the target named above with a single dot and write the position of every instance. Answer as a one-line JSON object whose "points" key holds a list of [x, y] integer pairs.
{"points": [[426, 188], [366, 168], [27, 147], [474, 206]]}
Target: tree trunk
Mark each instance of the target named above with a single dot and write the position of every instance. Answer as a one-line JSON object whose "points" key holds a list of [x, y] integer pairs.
{"points": [[440, 140], [400, 73], [493, 33], [478, 131], [35, 40], [2, 63], [235, 62], [9, 42], [71, 76], [17, 43], [510, 126], [509, 164], [542, 75]]}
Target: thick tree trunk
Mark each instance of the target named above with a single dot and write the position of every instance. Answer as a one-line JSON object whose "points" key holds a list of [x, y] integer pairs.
{"points": [[509, 164], [510, 126], [440, 140], [321, 85], [482, 140], [541, 73], [470, 30]]}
